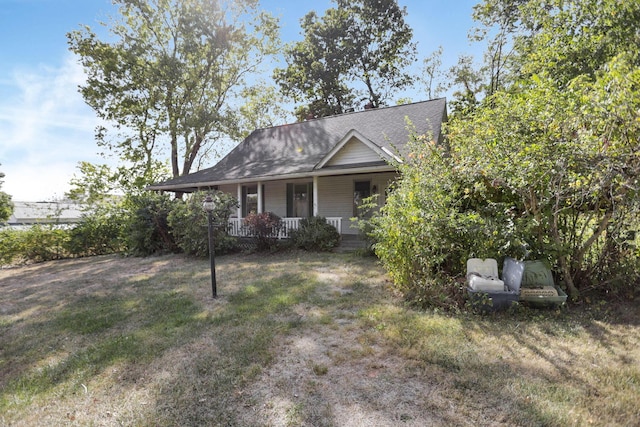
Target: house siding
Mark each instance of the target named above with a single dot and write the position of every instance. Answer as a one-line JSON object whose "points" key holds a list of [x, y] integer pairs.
{"points": [[230, 188], [354, 152], [335, 195]]}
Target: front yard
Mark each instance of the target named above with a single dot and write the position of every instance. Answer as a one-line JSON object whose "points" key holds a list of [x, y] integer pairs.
{"points": [[294, 339]]}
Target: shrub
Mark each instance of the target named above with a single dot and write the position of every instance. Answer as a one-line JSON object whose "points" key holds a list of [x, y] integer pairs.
{"points": [[147, 229], [264, 228], [11, 246], [36, 244], [367, 222], [315, 234], [427, 230], [100, 232], [188, 222]]}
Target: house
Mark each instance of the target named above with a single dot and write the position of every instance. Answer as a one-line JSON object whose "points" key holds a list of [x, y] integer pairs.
{"points": [[61, 213], [321, 167]]}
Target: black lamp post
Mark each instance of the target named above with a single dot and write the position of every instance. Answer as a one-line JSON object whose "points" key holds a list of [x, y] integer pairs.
{"points": [[209, 205]]}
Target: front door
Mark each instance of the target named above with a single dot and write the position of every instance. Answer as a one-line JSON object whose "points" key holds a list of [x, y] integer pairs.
{"points": [[361, 190]]}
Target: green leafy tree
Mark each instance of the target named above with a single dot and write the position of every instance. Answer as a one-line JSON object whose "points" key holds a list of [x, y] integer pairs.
{"points": [[572, 115], [316, 71], [432, 73], [500, 23], [6, 206], [188, 222], [358, 49], [565, 163], [379, 46], [168, 78], [547, 166], [469, 83], [575, 38], [262, 109]]}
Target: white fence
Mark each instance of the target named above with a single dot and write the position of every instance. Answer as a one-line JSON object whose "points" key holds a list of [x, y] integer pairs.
{"points": [[238, 228]]}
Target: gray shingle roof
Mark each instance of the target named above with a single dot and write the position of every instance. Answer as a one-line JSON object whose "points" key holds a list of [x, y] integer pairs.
{"points": [[297, 148]]}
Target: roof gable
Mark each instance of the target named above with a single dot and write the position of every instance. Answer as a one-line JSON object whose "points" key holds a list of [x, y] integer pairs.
{"points": [[353, 148]]}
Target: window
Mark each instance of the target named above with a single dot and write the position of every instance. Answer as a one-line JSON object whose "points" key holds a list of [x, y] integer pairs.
{"points": [[300, 200], [250, 199], [361, 190]]}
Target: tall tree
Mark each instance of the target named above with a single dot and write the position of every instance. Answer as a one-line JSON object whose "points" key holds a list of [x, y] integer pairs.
{"points": [[6, 206], [566, 39], [356, 51], [499, 24], [378, 45], [316, 71], [432, 73], [169, 79]]}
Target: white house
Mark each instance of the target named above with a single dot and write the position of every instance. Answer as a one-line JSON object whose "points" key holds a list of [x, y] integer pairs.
{"points": [[321, 167]]}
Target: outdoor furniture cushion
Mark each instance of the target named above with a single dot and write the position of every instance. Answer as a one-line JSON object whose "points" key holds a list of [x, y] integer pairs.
{"points": [[482, 275], [512, 271], [536, 274]]}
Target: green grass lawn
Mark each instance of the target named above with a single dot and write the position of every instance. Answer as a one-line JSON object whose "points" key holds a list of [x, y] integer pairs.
{"points": [[295, 339]]}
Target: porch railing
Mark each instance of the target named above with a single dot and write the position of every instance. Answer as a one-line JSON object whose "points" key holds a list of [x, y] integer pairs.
{"points": [[239, 229]]}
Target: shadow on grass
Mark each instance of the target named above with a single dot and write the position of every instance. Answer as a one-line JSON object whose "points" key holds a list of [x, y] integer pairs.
{"points": [[71, 322], [205, 388], [85, 338], [534, 367], [75, 320]]}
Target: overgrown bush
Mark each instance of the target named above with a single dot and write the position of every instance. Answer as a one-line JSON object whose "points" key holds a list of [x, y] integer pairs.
{"points": [[367, 222], [11, 246], [315, 234], [425, 234], [46, 243], [35, 244], [530, 174], [148, 230], [100, 232], [189, 224], [264, 228]]}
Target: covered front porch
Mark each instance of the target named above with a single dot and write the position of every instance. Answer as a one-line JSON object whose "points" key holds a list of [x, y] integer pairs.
{"points": [[336, 198]]}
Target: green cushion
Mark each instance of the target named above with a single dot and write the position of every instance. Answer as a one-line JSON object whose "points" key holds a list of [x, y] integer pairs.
{"points": [[536, 273]]}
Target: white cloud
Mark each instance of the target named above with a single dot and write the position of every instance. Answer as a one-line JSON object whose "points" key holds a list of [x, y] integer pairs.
{"points": [[45, 130]]}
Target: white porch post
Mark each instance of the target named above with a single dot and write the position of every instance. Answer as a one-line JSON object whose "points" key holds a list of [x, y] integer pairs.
{"points": [[315, 196], [239, 201], [260, 207]]}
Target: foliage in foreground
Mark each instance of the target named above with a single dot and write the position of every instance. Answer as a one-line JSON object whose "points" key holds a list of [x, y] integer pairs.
{"points": [[546, 166], [541, 173], [139, 224], [101, 232]]}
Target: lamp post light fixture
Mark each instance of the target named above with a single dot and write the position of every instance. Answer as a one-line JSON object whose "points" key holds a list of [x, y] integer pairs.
{"points": [[209, 205]]}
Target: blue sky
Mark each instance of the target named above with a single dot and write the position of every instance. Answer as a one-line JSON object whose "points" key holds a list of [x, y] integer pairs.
{"points": [[45, 127]]}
